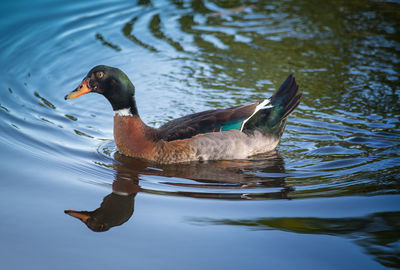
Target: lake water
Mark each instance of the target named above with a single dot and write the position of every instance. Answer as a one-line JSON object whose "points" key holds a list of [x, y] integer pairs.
{"points": [[328, 198]]}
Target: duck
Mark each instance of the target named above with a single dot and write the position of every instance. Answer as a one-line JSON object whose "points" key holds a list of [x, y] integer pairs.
{"points": [[232, 133]]}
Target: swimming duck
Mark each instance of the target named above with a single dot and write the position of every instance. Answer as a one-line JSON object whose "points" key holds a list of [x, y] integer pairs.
{"points": [[224, 134]]}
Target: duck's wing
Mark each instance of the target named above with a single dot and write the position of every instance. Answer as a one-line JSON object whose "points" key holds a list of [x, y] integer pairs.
{"points": [[207, 121], [268, 116]]}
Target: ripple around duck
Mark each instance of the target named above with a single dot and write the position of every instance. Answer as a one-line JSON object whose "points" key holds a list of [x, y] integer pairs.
{"points": [[218, 180]]}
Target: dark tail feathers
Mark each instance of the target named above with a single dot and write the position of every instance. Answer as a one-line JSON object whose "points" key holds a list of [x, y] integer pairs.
{"points": [[284, 100]]}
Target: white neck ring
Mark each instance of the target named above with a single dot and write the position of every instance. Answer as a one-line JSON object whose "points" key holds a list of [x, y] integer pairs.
{"points": [[123, 112]]}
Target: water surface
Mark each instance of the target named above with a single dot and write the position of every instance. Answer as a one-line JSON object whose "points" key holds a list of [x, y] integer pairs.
{"points": [[327, 198]]}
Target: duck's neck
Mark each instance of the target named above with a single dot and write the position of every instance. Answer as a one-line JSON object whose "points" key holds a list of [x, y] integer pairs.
{"points": [[122, 100], [125, 107]]}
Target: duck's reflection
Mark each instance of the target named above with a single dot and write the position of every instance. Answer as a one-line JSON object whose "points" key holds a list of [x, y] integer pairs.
{"points": [[242, 178], [115, 210]]}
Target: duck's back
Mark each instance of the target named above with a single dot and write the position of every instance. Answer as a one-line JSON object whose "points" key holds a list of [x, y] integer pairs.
{"points": [[204, 122]]}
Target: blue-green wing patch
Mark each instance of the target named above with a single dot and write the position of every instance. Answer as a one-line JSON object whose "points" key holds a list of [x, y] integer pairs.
{"points": [[234, 124]]}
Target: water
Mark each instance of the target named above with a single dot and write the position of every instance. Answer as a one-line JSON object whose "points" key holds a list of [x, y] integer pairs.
{"points": [[328, 198]]}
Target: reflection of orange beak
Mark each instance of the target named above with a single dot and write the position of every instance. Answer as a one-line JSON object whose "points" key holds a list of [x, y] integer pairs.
{"points": [[80, 215], [81, 90]]}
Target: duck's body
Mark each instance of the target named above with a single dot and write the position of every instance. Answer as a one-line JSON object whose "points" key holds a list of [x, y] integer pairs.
{"points": [[233, 133], [230, 144]]}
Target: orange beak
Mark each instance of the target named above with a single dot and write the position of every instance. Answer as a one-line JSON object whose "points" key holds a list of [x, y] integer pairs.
{"points": [[81, 90], [79, 215]]}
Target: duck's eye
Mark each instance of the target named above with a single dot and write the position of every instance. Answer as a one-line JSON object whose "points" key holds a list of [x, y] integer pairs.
{"points": [[99, 74]]}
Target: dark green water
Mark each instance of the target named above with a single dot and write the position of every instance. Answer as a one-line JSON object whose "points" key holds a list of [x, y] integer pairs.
{"points": [[328, 198]]}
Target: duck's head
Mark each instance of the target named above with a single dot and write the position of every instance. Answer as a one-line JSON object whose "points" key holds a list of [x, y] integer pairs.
{"points": [[112, 83]]}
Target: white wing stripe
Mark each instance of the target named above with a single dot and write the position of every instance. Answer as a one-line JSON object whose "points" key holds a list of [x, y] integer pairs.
{"points": [[266, 104]]}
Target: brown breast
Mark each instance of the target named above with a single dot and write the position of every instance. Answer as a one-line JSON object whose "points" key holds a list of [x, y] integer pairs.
{"points": [[134, 138], [130, 137]]}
